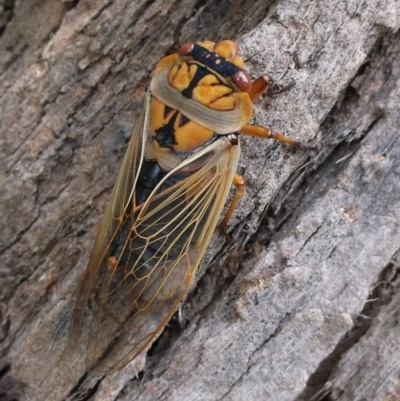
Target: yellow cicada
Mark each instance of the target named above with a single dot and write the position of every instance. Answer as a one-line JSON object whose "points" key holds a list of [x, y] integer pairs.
{"points": [[170, 191]]}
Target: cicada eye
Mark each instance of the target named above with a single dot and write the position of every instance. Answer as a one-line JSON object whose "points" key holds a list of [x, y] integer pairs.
{"points": [[186, 49], [242, 80]]}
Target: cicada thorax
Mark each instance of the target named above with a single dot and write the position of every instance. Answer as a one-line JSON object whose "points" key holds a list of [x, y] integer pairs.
{"points": [[198, 94]]}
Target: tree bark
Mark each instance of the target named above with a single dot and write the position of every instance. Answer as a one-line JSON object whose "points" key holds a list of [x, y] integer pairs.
{"points": [[303, 304]]}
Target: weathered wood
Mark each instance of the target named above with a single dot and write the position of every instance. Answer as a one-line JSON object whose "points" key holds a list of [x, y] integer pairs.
{"points": [[303, 305]]}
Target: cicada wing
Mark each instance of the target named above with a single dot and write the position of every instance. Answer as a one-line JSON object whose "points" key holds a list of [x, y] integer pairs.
{"points": [[169, 234], [113, 218]]}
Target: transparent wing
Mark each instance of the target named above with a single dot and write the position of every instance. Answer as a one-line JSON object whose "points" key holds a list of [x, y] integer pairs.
{"points": [[112, 220], [158, 249]]}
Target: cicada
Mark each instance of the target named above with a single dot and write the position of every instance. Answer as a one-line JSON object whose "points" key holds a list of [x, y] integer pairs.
{"points": [[175, 178]]}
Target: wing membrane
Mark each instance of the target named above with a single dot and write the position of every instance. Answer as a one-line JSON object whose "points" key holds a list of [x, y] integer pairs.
{"points": [[160, 245], [112, 219]]}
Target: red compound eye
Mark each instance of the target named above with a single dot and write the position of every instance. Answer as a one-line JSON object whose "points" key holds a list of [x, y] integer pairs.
{"points": [[242, 80], [186, 49]]}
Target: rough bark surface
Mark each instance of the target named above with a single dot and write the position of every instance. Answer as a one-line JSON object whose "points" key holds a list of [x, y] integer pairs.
{"points": [[303, 305]]}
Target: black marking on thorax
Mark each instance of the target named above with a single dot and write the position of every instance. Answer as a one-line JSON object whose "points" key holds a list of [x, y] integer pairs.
{"points": [[165, 135], [167, 110], [201, 72], [184, 120]]}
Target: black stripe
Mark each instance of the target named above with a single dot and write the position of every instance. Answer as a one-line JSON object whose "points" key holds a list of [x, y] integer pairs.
{"points": [[167, 110], [165, 136], [184, 120], [201, 72]]}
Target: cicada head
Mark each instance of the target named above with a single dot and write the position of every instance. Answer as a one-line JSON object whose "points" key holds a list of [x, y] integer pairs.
{"points": [[222, 58]]}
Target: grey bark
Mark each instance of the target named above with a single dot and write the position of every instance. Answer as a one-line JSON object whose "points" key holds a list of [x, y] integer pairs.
{"points": [[303, 305]]}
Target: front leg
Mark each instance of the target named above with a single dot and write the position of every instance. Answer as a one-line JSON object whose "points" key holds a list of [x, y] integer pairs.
{"points": [[258, 87], [264, 132], [265, 85]]}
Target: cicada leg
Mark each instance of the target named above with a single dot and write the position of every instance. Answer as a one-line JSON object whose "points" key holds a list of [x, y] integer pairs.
{"points": [[239, 184], [274, 90], [264, 132], [259, 86], [265, 85]]}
